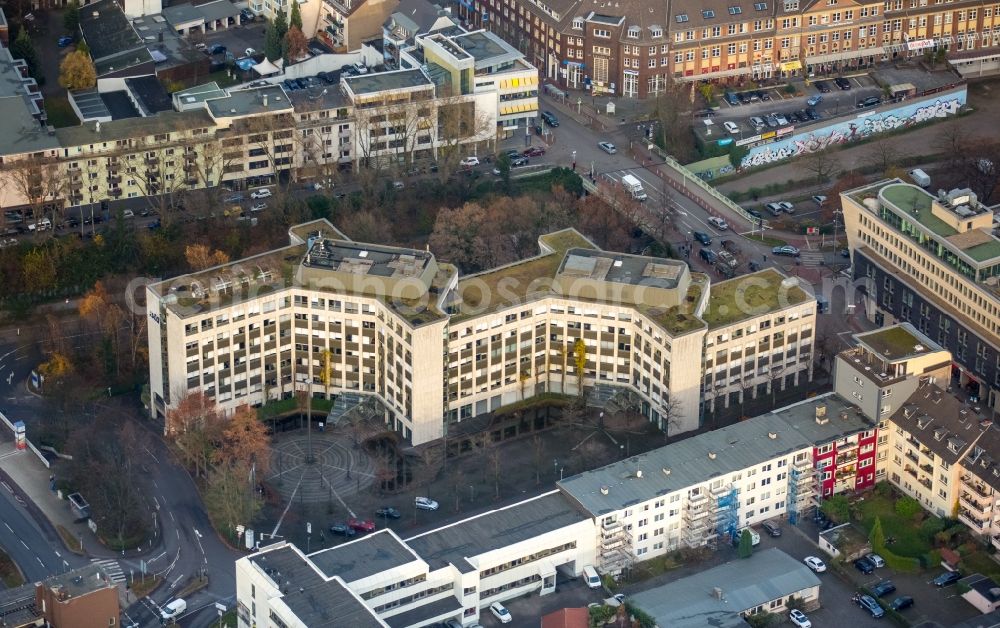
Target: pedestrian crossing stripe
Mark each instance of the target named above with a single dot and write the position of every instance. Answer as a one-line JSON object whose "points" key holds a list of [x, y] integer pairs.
{"points": [[112, 569]]}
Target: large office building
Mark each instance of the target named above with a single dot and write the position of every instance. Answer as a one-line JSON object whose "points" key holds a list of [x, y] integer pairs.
{"points": [[933, 261], [328, 315]]}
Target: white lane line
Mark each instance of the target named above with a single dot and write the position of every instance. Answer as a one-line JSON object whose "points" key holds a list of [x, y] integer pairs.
{"points": [[24, 544]]}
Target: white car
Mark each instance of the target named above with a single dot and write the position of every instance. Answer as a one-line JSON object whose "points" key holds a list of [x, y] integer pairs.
{"points": [[799, 618], [608, 147], [718, 223], [469, 162], [259, 207], [731, 126], [786, 206], [262, 193], [501, 613], [877, 560], [425, 503], [250, 52], [815, 564]]}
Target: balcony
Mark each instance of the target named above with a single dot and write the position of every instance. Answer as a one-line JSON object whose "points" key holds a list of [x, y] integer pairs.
{"points": [[913, 457], [996, 541], [847, 459], [975, 486], [910, 470], [926, 483], [971, 520], [967, 500]]}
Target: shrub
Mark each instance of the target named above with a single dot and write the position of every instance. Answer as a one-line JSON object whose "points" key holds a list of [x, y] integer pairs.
{"points": [[907, 507], [897, 562], [884, 489], [763, 620], [599, 615], [931, 527]]}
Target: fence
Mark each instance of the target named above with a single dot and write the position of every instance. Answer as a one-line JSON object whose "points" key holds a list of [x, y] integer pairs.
{"points": [[31, 445]]}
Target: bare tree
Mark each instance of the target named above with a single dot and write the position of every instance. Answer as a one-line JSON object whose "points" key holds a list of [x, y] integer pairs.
{"points": [[458, 124], [38, 180], [822, 164], [882, 154]]}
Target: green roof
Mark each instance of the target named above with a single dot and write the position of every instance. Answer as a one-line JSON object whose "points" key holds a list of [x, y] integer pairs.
{"points": [[894, 343], [985, 251], [916, 203], [750, 295], [680, 318]]}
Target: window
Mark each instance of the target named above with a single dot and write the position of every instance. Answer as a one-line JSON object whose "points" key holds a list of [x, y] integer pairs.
{"points": [[578, 23], [633, 32], [600, 32], [760, 6], [656, 31], [708, 13], [681, 18], [735, 10]]}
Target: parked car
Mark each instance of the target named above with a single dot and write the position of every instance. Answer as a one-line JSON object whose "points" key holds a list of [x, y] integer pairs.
{"points": [[517, 162], [290, 85], [261, 193], [550, 118], [804, 116], [731, 126], [780, 118], [771, 528], [234, 198], [361, 525], [469, 162], [814, 100], [608, 147], [388, 512], [815, 564], [217, 49], [731, 98], [799, 618], [871, 605], [819, 199], [871, 101], [883, 588], [249, 52], [947, 578], [746, 98], [706, 113], [398, 185], [501, 613], [864, 565], [702, 237], [64, 41], [534, 151], [787, 249], [258, 207], [877, 560], [795, 116], [901, 602], [248, 15], [764, 95], [708, 255], [756, 214], [842, 83], [342, 529], [813, 114], [757, 122], [718, 223], [786, 207], [822, 86], [773, 208], [771, 121], [425, 503], [201, 46]]}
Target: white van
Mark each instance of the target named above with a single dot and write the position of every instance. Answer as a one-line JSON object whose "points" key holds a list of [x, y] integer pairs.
{"points": [[173, 610], [920, 177], [590, 575]]}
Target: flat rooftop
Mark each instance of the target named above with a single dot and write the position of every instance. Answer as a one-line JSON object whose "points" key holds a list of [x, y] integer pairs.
{"points": [[621, 268], [898, 342], [165, 122], [375, 82], [366, 259], [363, 557], [750, 295], [713, 454], [492, 530], [916, 202], [487, 49], [744, 583], [249, 102]]}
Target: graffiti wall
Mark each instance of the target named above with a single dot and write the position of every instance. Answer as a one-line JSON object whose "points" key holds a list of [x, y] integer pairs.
{"points": [[870, 122]]}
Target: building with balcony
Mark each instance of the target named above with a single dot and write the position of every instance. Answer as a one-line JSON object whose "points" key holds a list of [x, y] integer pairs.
{"points": [[344, 24], [932, 261], [410, 19]]}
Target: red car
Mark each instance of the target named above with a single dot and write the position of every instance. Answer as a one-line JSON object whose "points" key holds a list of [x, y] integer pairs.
{"points": [[534, 151], [361, 525]]}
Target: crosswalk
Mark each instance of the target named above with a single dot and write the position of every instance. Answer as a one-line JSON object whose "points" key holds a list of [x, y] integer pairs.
{"points": [[812, 258], [112, 568]]}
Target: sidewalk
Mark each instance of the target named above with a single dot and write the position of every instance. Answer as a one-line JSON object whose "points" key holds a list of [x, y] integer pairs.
{"points": [[30, 478]]}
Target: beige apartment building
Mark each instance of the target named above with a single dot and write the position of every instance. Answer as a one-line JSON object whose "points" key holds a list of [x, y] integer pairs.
{"points": [[933, 261], [395, 325]]}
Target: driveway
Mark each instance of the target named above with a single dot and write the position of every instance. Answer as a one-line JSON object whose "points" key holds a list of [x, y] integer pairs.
{"points": [[528, 611], [238, 38]]}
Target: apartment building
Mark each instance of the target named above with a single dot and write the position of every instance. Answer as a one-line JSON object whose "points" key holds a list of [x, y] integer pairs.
{"points": [[572, 318], [344, 24], [933, 261], [453, 572]]}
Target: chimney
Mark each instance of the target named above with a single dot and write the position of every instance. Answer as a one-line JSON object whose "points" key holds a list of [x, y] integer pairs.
{"points": [[711, 455], [265, 100], [772, 435], [666, 470], [717, 593], [97, 127], [638, 473], [604, 490], [821, 414]]}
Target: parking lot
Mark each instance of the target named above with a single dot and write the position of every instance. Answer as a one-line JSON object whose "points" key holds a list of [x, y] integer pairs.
{"points": [[739, 107], [238, 38]]}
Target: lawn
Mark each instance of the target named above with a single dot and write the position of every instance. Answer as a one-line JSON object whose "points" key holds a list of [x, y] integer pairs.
{"points": [[979, 562], [768, 240], [909, 539], [735, 299], [59, 112], [9, 573]]}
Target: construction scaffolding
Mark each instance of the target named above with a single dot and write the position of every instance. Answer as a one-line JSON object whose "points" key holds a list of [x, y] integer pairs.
{"points": [[727, 511], [615, 549], [799, 489]]}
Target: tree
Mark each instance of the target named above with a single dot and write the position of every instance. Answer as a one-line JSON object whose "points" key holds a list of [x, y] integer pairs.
{"points": [[200, 257], [907, 507], [822, 164], [56, 367], [77, 71], [882, 154], [24, 48], [275, 36], [71, 18], [745, 549], [877, 537], [193, 410], [295, 45], [295, 19], [230, 497], [39, 270], [244, 441], [580, 362], [837, 508], [671, 110]]}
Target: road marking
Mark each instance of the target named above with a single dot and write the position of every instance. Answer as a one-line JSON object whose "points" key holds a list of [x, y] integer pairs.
{"points": [[9, 528], [172, 516], [57, 553], [151, 456], [40, 562], [173, 585], [24, 544]]}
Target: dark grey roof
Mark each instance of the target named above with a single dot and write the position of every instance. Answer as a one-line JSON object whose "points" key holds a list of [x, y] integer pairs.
{"points": [[989, 620], [386, 81], [984, 586], [495, 529], [314, 600], [178, 14], [245, 102], [220, 9], [983, 460], [150, 94], [119, 105], [416, 16], [712, 454], [166, 122], [621, 268], [940, 422], [438, 609], [22, 132], [107, 31], [745, 583], [363, 557], [487, 49]]}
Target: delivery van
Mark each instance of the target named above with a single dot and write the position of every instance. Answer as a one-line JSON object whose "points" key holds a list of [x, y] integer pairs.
{"points": [[590, 575]]}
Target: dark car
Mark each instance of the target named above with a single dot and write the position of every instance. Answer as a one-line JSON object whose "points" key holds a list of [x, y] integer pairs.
{"points": [[812, 113], [64, 41], [706, 113], [804, 116], [883, 588], [731, 98], [534, 151], [794, 116], [869, 603], [901, 602], [248, 15], [948, 577], [704, 238], [325, 77], [864, 565], [871, 101], [361, 525], [763, 95], [342, 529], [291, 85], [518, 161], [756, 214], [842, 83], [388, 513], [217, 49], [708, 255], [822, 86], [771, 528], [550, 118], [745, 98]]}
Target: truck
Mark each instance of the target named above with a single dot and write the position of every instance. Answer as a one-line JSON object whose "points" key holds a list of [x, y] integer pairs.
{"points": [[920, 177], [634, 187], [726, 263], [173, 610]]}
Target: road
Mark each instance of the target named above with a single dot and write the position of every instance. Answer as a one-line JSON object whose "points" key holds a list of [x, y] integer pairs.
{"points": [[37, 551]]}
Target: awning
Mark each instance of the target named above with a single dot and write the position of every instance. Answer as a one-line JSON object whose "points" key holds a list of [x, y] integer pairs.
{"points": [[266, 68], [788, 66]]}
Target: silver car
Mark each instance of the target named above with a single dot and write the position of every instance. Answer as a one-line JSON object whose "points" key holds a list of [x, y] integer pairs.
{"points": [[608, 147]]}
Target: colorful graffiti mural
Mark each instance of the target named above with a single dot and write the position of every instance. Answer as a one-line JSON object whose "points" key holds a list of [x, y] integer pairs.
{"points": [[908, 113]]}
